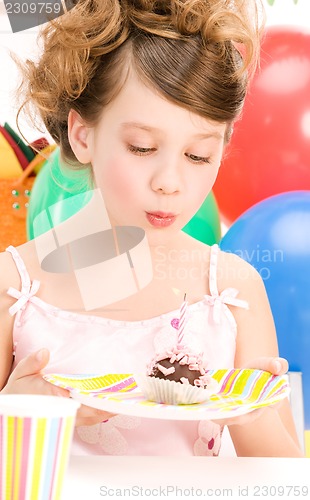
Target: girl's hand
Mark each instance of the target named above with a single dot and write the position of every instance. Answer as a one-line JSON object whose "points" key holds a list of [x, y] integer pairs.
{"points": [[274, 365], [27, 378], [91, 416]]}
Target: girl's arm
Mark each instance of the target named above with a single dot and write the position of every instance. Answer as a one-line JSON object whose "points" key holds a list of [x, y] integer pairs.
{"points": [[273, 432], [27, 378], [6, 321]]}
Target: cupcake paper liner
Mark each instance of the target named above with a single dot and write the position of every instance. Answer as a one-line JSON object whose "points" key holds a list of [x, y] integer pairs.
{"points": [[174, 393]]}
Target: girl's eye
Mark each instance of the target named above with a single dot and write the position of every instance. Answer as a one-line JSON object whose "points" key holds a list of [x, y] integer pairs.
{"points": [[140, 151], [198, 159]]}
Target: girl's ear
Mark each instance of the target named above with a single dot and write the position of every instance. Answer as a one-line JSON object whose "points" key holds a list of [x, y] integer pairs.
{"points": [[79, 137]]}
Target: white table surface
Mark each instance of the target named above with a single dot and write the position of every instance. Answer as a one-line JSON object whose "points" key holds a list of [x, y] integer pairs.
{"points": [[91, 478]]}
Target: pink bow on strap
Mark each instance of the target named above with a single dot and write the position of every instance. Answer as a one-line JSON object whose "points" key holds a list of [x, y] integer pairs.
{"points": [[22, 297], [227, 296]]}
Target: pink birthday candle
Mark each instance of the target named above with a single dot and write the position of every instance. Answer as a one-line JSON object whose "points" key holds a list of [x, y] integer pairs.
{"points": [[182, 322]]}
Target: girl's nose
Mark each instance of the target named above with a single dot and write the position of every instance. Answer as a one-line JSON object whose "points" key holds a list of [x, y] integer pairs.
{"points": [[167, 179]]}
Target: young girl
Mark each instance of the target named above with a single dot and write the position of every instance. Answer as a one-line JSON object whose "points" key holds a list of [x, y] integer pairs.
{"points": [[144, 94]]}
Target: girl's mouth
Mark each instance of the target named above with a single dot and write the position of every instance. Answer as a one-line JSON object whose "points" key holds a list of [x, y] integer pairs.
{"points": [[160, 219]]}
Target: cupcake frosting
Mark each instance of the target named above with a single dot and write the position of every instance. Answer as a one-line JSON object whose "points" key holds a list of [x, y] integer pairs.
{"points": [[182, 355]]}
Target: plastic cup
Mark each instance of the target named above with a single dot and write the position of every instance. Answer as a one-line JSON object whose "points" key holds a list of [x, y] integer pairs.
{"points": [[35, 440]]}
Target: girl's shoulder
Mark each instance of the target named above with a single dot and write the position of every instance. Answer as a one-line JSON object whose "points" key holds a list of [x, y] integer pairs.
{"points": [[9, 275], [233, 271], [13, 269]]}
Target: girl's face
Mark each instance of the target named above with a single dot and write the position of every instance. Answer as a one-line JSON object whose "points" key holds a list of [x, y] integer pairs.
{"points": [[153, 161]]}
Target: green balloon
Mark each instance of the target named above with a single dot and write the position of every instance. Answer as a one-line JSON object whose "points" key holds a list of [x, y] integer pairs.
{"points": [[56, 182], [205, 226]]}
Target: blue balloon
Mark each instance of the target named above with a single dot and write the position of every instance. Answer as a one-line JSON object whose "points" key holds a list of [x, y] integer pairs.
{"points": [[274, 236]]}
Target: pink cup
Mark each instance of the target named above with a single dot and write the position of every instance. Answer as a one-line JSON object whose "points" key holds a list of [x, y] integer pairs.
{"points": [[35, 440]]}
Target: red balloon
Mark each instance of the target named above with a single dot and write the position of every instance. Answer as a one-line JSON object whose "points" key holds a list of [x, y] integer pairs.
{"points": [[269, 151]]}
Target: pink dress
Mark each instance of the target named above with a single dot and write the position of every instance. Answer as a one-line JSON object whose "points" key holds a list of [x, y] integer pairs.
{"points": [[95, 345]]}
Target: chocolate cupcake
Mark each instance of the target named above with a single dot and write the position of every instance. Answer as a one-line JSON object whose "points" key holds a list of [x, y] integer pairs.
{"points": [[177, 376]]}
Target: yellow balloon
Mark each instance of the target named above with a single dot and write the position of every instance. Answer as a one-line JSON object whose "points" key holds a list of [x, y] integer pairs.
{"points": [[9, 164], [39, 159]]}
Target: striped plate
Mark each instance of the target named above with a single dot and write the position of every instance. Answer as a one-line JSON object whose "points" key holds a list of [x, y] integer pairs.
{"points": [[241, 391]]}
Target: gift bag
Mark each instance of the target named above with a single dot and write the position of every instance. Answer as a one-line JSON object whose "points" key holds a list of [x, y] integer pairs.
{"points": [[14, 200]]}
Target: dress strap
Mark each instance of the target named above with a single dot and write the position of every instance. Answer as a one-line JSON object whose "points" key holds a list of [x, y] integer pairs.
{"points": [[213, 270], [226, 297], [21, 268], [28, 288]]}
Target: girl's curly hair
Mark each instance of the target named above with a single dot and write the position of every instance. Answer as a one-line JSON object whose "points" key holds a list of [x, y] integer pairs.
{"points": [[199, 54]]}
